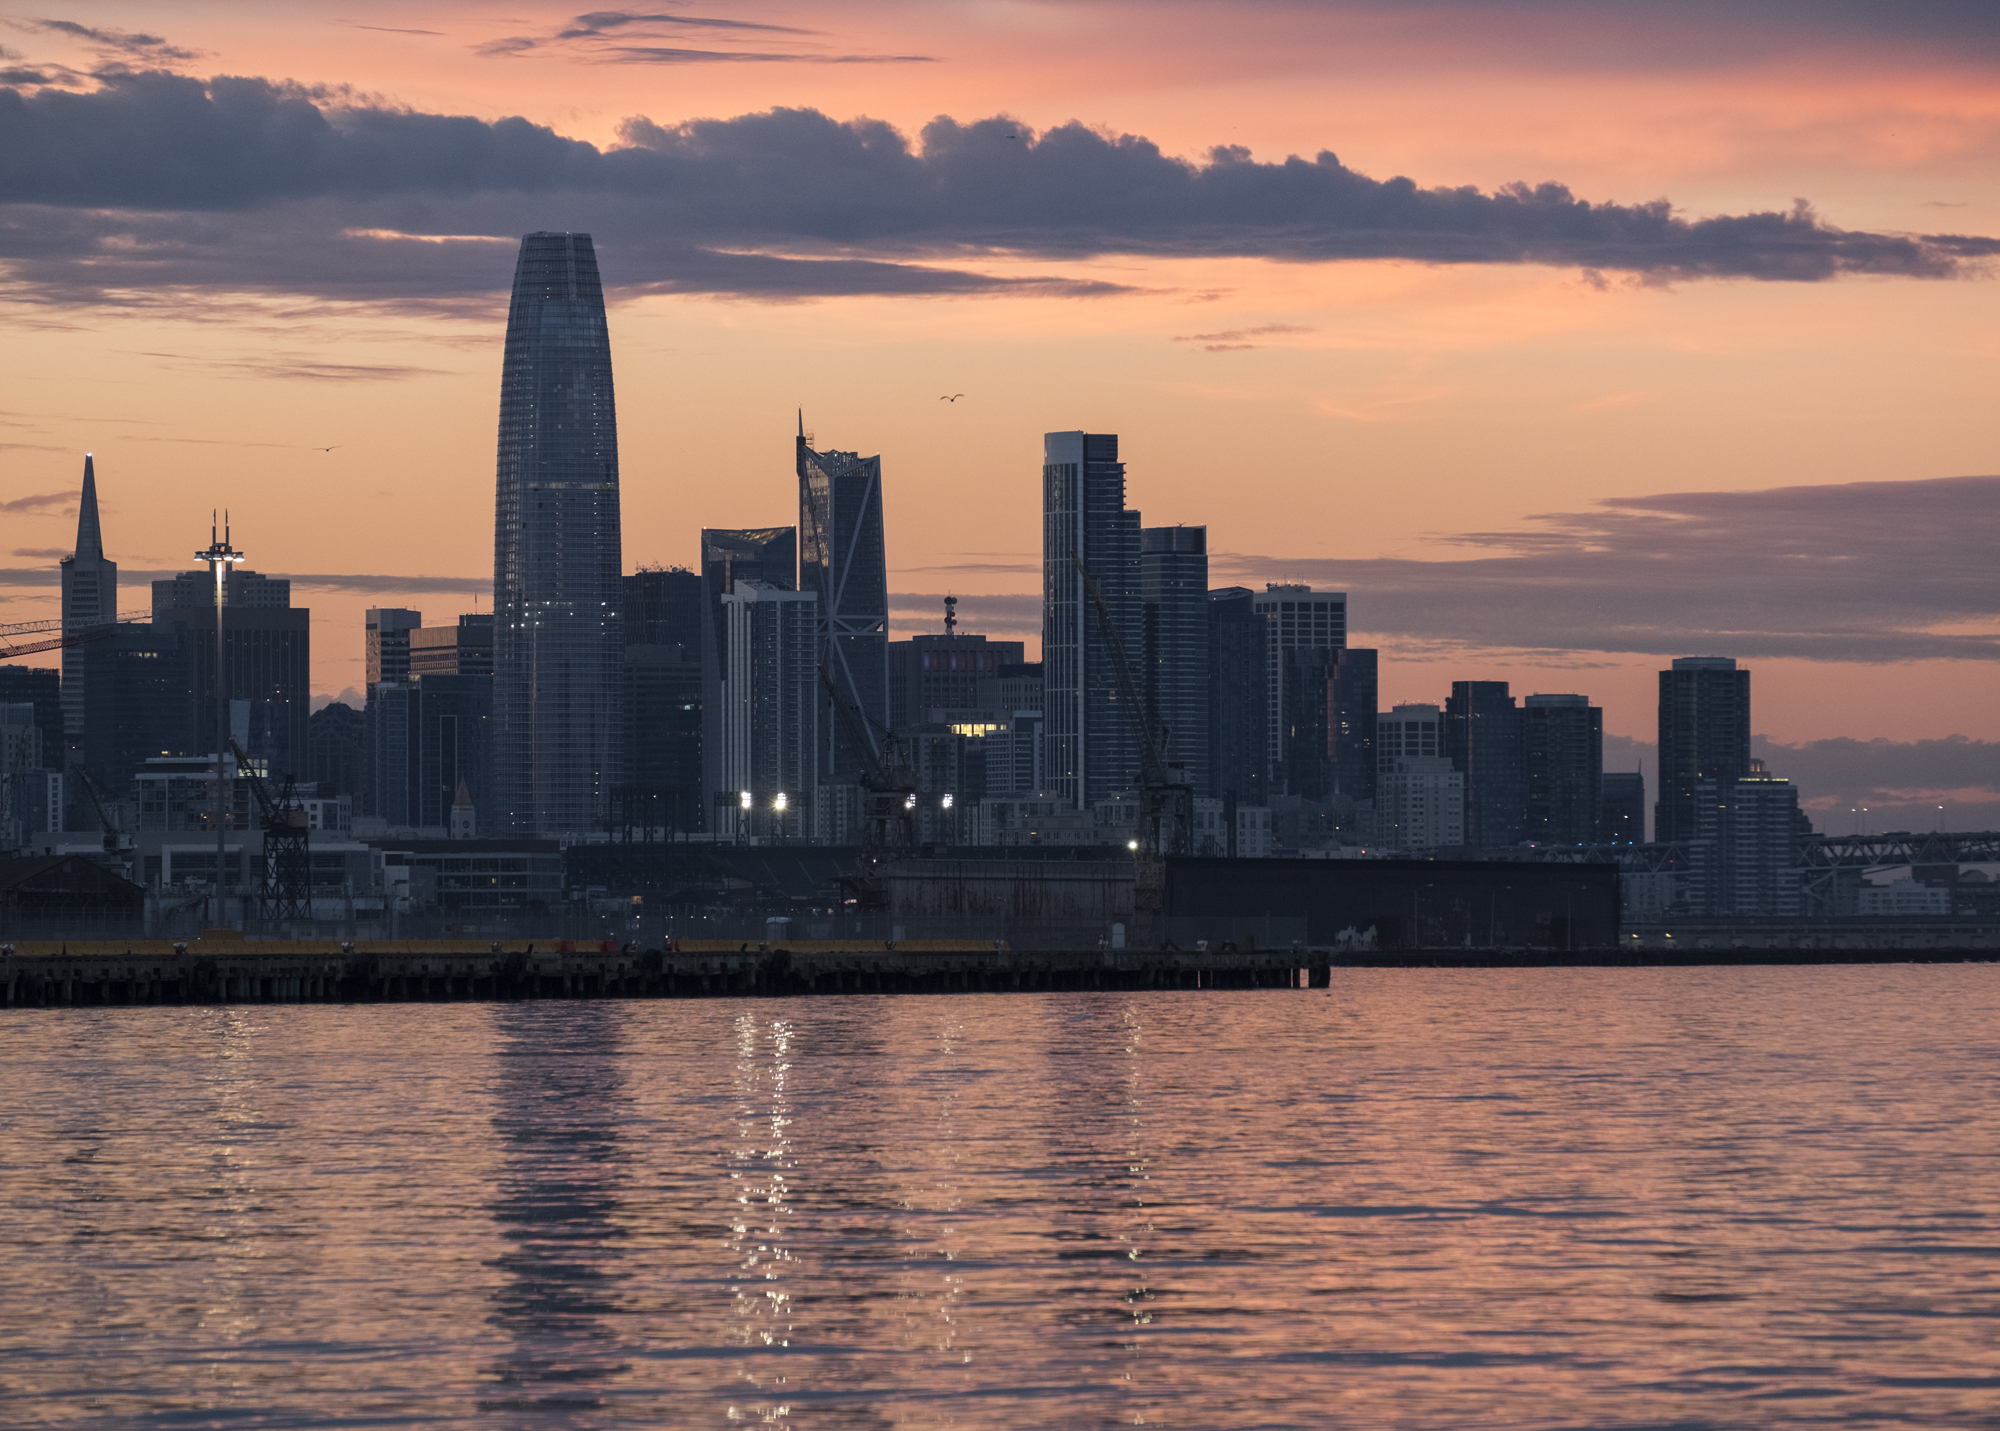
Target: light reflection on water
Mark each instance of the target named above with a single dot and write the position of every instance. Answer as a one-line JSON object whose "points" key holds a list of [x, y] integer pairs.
{"points": [[1582, 1198]]}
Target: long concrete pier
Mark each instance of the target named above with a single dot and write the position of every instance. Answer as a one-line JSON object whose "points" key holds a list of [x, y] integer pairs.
{"points": [[223, 971]]}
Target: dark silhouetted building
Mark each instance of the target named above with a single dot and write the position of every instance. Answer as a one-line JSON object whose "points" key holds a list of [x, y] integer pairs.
{"points": [[1482, 736], [1353, 701], [558, 600], [663, 702], [842, 562], [1239, 719], [139, 705], [940, 670], [267, 655], [1173, 597], [1562, 747], [1750, 827], [385, 651], [336, 740], [1704, 735], [769, 555], [1621, 810], [664, 608], [89, 597], [1091, 737], [1305, 764], [1295, 616], [40, 687]]}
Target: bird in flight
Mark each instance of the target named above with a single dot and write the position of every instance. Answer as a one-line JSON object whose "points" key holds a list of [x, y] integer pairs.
{"points": [[326, 449], [954, 397]]}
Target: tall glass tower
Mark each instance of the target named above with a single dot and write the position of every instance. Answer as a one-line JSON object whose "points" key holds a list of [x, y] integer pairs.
{"points": [[843, 561], [557, 597]]}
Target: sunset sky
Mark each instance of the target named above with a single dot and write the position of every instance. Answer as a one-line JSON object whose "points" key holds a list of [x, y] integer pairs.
{"points": [[1615, 331]]}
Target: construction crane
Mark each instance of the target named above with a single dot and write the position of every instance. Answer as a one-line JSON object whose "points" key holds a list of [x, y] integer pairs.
{"points": [[52, 634], [117, 842], [286, 889], [1166, 809], [888, 796]]}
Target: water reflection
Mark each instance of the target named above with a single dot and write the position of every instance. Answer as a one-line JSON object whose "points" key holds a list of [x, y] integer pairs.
{"points": [[559, 1101]]}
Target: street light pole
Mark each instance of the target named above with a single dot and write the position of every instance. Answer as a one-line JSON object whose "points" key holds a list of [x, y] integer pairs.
{"points": [[220, 556]]}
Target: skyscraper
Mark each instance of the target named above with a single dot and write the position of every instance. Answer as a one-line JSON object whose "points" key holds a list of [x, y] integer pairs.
{"points": [[769, 555], [557, 599], [1351, 710], [1482, 737], [1091, 736], [1562, 748], [770, 714], [89, 597], [842, 561], [1173, 595], [385, 651], [1704, 735], [267, 660], [1239, 716], [1295, 616]]}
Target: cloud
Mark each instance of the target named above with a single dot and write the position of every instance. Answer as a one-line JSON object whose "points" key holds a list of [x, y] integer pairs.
{"points": [[388, 29], [279, 366], [150, 48], [50, 553], [1010, 615], [1865, 571], [37, 501], [616, 36], [370, 582], [154, 182], [1233, 339]]}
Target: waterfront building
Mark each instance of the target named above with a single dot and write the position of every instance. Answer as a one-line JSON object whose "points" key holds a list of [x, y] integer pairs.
{"points": [[558, 602], [1562, 746], [1746, 852], [1621, 809], [464, 649], [1483, 738], [1704, 735], [1092, 737], [1420, 804], [1173, 597], [1238, 698], [1295, 616], [770, 716], [385, 649], [89, 598], [842, 561]]}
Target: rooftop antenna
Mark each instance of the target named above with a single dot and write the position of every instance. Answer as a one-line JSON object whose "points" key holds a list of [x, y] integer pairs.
{"points": [[950, 615]]}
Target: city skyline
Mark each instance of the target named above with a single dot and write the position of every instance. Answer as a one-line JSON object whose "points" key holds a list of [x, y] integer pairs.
{"points": [[1492, 455]]}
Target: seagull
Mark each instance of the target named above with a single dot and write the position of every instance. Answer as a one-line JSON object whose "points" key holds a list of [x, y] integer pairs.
{"points": [[326, 449], [953, 398]]}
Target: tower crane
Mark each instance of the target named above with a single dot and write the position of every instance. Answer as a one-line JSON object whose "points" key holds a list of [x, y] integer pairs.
{"points": [[888, 795], [286, 891]]}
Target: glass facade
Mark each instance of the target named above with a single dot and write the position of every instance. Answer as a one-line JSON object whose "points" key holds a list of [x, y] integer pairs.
{"points": [[842, 561], [557, 596]]}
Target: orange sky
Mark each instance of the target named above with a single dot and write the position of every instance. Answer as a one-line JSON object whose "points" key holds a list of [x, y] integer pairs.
{"points": [[1388, 406]]}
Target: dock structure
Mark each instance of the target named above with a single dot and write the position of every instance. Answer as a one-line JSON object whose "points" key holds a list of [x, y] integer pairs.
{"points": [[235, 970], [220, 971]]}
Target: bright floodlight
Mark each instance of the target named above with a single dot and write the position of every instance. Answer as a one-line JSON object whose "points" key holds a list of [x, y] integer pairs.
{"points": [[746, 799], [947, 802], [779, 803]]}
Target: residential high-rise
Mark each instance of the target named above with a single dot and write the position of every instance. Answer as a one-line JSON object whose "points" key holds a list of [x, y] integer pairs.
{"points": [[1295, 616], [1482, 738], [1408, 732], [1704, 735], [1621, 809], [769, 555], [842, 561], [666, 695], [1419, 795], [385, 651], [1749, 827], [770, 716], [1092, 737], [1239, 716], [89, 597], [1351, 710], [558, 604], [1173, 597], [1562, 748], [1305, 764]]}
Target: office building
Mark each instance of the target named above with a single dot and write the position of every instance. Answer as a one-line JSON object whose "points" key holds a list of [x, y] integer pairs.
{"points": [[140, 706], [1482, 738], [1295, 616], [1305, 750], [1621, 808], [267, 654], [1352, 703], [453, 749], [1562, 745], [464, 649], [1173, 601], [89, 598], [949, 669], [769, 721], [1420, 804], [1015, 686], [40, 687], [1092, 735], [1239, 714], [768, 555], [394, 731], [1409, 732], [663, 607], [1704, 735], [843, 563], [385, 651], [664, 692], [558, 601], [336, 735]]}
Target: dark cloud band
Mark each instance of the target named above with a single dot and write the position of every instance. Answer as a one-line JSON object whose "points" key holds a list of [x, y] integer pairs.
{"points": [[155, 179]]}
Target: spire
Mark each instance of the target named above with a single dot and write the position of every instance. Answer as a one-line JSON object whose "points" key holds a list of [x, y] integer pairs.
{"points": [[802, 424], [89, 536]]}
